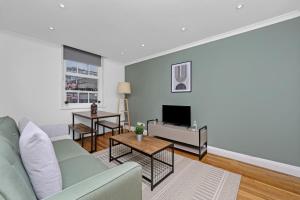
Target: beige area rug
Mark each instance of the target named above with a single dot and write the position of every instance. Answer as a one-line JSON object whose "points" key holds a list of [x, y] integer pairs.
{"points": [[192, 180]]}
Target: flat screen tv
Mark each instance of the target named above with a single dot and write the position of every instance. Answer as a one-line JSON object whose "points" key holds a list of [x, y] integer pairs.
{"points": [[177, 115]]}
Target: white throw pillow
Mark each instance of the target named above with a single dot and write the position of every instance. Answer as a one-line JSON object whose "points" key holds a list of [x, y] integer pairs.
{"points": [[40, 161]]}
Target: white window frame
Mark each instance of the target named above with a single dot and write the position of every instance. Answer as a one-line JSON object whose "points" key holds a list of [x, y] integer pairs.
{"points": [[64, 91]]}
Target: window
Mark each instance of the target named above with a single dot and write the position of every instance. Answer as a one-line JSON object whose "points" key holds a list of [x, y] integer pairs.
{"points": [[82, 77]]}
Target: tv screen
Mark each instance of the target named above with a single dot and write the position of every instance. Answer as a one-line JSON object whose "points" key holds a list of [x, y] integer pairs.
{"points": [[177, 115]]}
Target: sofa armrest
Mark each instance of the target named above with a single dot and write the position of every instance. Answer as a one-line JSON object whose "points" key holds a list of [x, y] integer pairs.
{"points": [[121, 182]]}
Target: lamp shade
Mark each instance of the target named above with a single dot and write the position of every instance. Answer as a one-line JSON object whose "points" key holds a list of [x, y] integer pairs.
{"points": [[124, 88]]}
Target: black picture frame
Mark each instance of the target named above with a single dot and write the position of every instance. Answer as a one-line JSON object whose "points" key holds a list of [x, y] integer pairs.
{"points": [[187, 83]]}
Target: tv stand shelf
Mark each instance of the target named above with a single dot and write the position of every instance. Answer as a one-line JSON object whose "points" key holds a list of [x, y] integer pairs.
{"points": [[183, 138]]}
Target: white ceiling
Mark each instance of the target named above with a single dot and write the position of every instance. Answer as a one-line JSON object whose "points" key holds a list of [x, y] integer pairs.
{"points": [[109, 27]]}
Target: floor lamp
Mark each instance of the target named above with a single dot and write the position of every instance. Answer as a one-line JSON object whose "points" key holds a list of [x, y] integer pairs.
{"points": [[124, 89]]}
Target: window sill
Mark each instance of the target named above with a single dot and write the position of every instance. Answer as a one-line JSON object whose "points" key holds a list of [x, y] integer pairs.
{"points": [[79, 107]]}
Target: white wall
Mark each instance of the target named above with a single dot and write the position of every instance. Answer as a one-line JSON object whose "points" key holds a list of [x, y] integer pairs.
{"points": [[31, 80]]}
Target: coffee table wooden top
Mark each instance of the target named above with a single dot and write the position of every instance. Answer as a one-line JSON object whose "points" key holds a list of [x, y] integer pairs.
{"points": [[149, 145]]}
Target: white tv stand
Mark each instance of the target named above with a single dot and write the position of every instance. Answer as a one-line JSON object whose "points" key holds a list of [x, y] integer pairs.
{"points": [[183, 138]]}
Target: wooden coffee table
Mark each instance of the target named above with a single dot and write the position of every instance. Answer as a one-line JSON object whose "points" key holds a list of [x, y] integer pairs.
{"points": [[155, 155]]}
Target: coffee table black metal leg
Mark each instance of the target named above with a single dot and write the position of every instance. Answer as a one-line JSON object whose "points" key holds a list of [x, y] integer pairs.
{"points": [[151, 172], [173, 158]]}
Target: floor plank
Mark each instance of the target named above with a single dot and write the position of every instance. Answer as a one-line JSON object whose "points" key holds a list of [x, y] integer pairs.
{"points": [[256, 184]]}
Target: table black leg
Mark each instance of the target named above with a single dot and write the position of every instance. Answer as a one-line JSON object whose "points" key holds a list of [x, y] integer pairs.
{"points": [[119, 124], [73, 123], [92, 135], [96, 135], [97, 127]]}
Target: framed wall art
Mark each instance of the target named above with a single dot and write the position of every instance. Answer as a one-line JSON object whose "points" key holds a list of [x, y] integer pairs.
{"points": [[181, 77]]}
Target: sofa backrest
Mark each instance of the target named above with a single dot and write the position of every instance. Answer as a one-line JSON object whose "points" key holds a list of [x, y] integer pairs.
{"points": [[9, 132], [14, 183]]}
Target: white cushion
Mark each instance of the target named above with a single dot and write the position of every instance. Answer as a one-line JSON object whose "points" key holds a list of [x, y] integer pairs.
{"points": [[40, 161], [22, 124]]}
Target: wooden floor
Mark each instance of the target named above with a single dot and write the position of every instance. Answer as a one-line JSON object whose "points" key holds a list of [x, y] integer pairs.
{"points": [[256, 183]]}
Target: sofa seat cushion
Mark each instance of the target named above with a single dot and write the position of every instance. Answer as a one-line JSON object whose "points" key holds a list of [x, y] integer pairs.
{"points": [[76, 169], [66, 149]]}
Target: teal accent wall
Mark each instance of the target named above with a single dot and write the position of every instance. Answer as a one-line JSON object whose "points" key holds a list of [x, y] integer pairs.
{"points": [[246, 88]]}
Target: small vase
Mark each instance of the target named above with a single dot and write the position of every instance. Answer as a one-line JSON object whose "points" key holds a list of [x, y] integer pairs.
{"points": [[139, 137], [94, 108]]}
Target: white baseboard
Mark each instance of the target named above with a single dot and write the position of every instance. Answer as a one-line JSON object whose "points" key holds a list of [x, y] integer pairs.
{"points": [[260, 162]]}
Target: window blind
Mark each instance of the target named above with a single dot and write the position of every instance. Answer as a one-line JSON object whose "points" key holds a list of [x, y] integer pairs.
{"points": [[78, 55]]}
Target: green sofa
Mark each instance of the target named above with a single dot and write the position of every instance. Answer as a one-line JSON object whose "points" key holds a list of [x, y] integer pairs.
{"points": [[83, 176]]}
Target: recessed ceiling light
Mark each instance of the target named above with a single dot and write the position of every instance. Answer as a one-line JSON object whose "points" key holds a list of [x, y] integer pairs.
{"points": [[142, 45], [240, 6], [51, 28], [183, 29], [61, 5]]}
